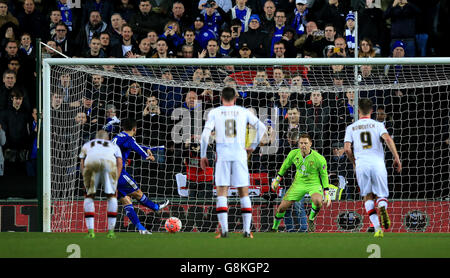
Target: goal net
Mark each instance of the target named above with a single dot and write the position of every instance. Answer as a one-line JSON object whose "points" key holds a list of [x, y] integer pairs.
{"points": [[170, 100]]}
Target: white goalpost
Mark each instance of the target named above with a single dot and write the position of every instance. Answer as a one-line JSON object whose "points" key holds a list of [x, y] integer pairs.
{"points": [[170, 99]]}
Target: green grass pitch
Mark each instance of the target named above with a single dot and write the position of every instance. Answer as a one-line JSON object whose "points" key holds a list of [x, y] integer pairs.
{"points": [[204, 245]]}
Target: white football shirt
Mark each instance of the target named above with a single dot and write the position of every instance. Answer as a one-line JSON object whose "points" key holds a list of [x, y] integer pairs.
{"points": [[101, 149], [365, 134], [230, 125]]}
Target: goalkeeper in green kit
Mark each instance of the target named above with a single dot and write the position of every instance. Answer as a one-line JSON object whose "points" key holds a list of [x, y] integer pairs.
{"points": [[311, 177]]}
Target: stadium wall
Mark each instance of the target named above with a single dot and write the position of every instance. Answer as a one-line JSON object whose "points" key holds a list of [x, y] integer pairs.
{"points": [[343, 216]]}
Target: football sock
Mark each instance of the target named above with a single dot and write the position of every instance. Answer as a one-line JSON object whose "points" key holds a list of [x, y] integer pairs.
{"points": [[382, 202], [372, 212], [276, 222], [314, 211], [146, 202], [89, 212], [246, 211], [222, 212], [131, 214], [112, 213]]}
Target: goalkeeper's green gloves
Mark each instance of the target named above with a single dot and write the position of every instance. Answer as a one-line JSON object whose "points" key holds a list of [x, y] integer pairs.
{"points": [[275, 183], [327, 198]]}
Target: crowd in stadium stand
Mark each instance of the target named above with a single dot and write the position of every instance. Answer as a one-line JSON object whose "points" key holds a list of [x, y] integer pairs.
{"points": [[201, 29]]}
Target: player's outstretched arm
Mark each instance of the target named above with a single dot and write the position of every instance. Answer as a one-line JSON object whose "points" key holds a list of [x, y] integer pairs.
{"points": [[142, 151], [391, 145]]}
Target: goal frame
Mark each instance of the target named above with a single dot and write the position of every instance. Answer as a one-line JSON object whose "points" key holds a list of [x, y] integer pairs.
{"points": [[45, 98]]}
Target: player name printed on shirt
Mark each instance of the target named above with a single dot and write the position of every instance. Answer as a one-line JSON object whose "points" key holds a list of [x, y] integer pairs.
{"points": [[367, 126], [365, 134], [230, 124], [97, 149]]}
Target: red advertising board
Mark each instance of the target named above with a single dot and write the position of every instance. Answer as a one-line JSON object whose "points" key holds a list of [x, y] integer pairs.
{"points": [[343, 216], [16, 217]]}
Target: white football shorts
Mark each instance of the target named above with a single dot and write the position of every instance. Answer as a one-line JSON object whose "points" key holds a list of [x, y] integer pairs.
{"points": [[372, 179], [97, 172], [232, 173]]}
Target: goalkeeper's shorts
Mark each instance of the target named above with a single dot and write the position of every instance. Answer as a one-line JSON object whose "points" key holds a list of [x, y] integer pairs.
{"points": [[297, 191], [126, 185]]}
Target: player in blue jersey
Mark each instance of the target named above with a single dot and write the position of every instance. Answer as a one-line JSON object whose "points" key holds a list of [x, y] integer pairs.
{"points": [[127, 186]]}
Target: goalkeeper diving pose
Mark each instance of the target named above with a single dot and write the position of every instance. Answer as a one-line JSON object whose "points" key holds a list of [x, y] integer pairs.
{"points": [[127, 186], [310, 177]]}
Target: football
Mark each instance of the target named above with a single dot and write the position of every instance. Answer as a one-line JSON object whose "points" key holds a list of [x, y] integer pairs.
{"points": [[173, 225]]}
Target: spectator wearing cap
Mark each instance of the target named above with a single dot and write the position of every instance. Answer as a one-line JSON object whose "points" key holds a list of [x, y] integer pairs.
{"points": [[257, 39], [242, 12], [403, 24], [202, 33], [300, 17], [213, 16], [89, 107], [245, 51], [288, 39], [145, 20], [225, 5], [398, 49], [398, 73], [350, 32]]}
